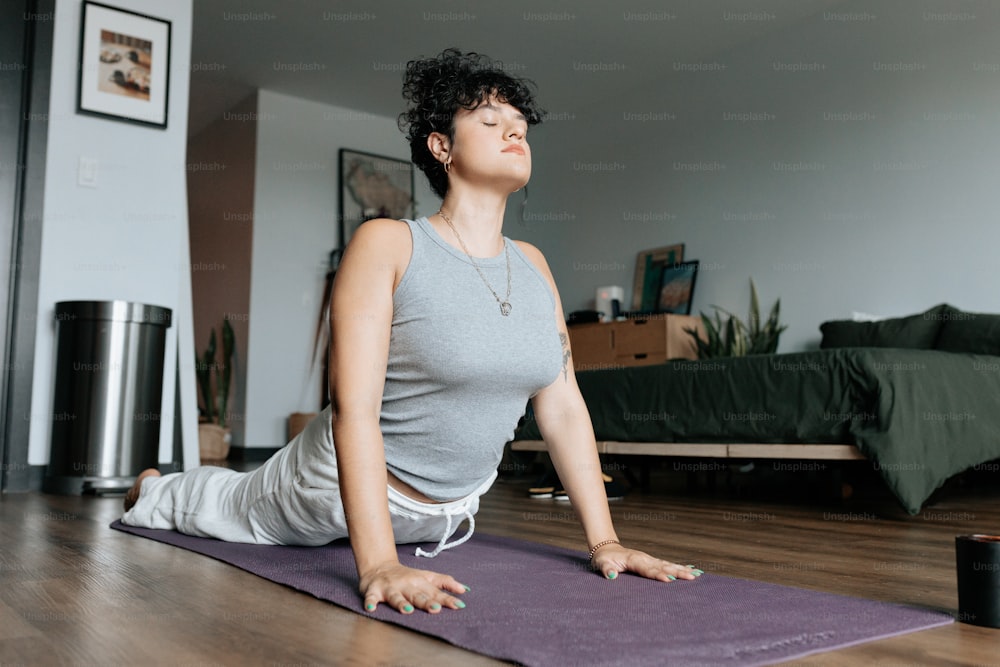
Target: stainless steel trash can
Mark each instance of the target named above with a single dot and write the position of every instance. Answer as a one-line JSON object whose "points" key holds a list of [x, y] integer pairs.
{"points": [[109, 386]]}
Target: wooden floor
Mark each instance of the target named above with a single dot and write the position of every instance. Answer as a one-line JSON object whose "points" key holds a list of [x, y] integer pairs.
{"points": [[74, 592]]}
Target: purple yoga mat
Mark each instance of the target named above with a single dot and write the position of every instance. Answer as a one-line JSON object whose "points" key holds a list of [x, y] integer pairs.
{"points": [[540, 605]]}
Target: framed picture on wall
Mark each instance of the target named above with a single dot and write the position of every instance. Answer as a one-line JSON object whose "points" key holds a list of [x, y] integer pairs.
{"points": [[124, 65], [648, 270], [372, 186], [677, 288]]}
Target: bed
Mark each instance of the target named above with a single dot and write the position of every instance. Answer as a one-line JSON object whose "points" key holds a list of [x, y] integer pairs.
{"points": [[917, 396]]}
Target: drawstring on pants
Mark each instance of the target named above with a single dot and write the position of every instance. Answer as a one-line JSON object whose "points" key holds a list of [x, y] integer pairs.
{"points": [[441, 546]]}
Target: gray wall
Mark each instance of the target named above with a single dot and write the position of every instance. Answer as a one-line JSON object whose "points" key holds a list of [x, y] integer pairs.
{"points": [[847, 164]]}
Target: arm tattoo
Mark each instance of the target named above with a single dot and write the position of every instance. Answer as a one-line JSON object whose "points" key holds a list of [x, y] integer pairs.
{"points": [[564, 339]]}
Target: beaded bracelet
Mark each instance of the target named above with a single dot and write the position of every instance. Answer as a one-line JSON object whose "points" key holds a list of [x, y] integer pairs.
{"points": [[597, 546]]}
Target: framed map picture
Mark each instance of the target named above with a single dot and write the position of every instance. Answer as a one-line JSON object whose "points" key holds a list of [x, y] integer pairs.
{"points": [[372, 186]]}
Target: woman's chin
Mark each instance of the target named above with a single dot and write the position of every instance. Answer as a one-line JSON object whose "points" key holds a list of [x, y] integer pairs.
{"points": [[519, 179], [508, 180]]}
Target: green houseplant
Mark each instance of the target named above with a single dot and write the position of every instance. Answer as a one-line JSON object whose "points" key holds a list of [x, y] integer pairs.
{"points": [[736, 338], [214, 382]]}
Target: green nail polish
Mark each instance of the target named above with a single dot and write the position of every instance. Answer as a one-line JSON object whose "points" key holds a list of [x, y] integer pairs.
{"points": [[460, 604], [671, 577], [435, 606], [467, 589], [690, 566], [698, 573], [612, 574], [408, 608], [370, 607]]}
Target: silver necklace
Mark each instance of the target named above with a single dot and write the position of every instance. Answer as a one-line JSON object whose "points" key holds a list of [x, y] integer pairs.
{"points": [[505, 303]]}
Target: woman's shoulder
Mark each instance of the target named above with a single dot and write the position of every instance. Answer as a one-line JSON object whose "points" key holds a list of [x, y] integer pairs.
{"points": [[534, 255], [378, 244], [381, 235], [382, 228]]}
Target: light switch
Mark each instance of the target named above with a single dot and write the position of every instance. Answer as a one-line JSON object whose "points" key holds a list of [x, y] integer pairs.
{"points": [[87, 172]]}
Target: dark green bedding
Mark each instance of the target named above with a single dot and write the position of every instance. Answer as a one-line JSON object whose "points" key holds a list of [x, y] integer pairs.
{"points": [[920, 416]]}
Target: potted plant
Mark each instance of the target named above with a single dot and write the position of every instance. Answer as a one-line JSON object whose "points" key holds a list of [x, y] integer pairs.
{"points": [[214, 380], [736, 338]]}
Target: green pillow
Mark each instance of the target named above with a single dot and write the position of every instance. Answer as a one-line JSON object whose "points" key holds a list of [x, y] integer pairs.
{"points": [[975, 333], [918, 332]]}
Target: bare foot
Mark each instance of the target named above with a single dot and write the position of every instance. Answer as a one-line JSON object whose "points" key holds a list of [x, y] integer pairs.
{"points": [[133, 494]]}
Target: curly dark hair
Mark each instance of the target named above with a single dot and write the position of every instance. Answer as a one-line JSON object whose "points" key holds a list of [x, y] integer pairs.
{"points": [[438, 87]]}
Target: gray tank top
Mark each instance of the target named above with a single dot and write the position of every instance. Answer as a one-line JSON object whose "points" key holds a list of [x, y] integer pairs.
{"points": [[460, 373]]}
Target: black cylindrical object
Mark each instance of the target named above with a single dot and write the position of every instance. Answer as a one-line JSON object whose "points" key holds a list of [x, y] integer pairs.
{"points": [[977, 559], [108, 394]]}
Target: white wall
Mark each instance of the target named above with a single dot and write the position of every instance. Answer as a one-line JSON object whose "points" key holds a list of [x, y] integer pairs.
{"points": [[294, 229], [125, 239], [866, 181]]}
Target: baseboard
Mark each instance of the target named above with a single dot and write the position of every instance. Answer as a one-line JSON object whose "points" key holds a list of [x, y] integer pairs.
{"points": [[36, 476], [32, 477], [23, 478]]}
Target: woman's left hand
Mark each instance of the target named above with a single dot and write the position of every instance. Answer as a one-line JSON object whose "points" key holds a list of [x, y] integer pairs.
{"points": [[613, 559]]}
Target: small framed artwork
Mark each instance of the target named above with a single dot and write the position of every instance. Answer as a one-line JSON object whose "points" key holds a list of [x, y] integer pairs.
{"points": [[372, 186], [124, 65], [648, 269], [677, 288]]}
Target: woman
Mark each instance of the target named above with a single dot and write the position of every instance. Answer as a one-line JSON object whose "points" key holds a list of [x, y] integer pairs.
{"points": [[442, 330]]}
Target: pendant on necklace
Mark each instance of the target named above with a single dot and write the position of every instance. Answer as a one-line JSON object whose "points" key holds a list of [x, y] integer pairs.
{"points": [[505, 308]]}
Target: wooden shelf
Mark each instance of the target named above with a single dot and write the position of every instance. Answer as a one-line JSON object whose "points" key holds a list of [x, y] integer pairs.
{"points": [[634, 342]]}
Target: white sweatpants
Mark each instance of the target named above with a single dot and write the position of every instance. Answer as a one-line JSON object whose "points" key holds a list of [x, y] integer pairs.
{"points": [[293, 499]]}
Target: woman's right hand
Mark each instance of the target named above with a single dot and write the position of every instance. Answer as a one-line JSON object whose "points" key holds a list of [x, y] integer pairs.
{"points": [[406, 588]]}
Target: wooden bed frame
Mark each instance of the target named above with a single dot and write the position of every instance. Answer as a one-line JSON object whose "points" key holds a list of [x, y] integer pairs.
{"points": [[715, 450]]}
